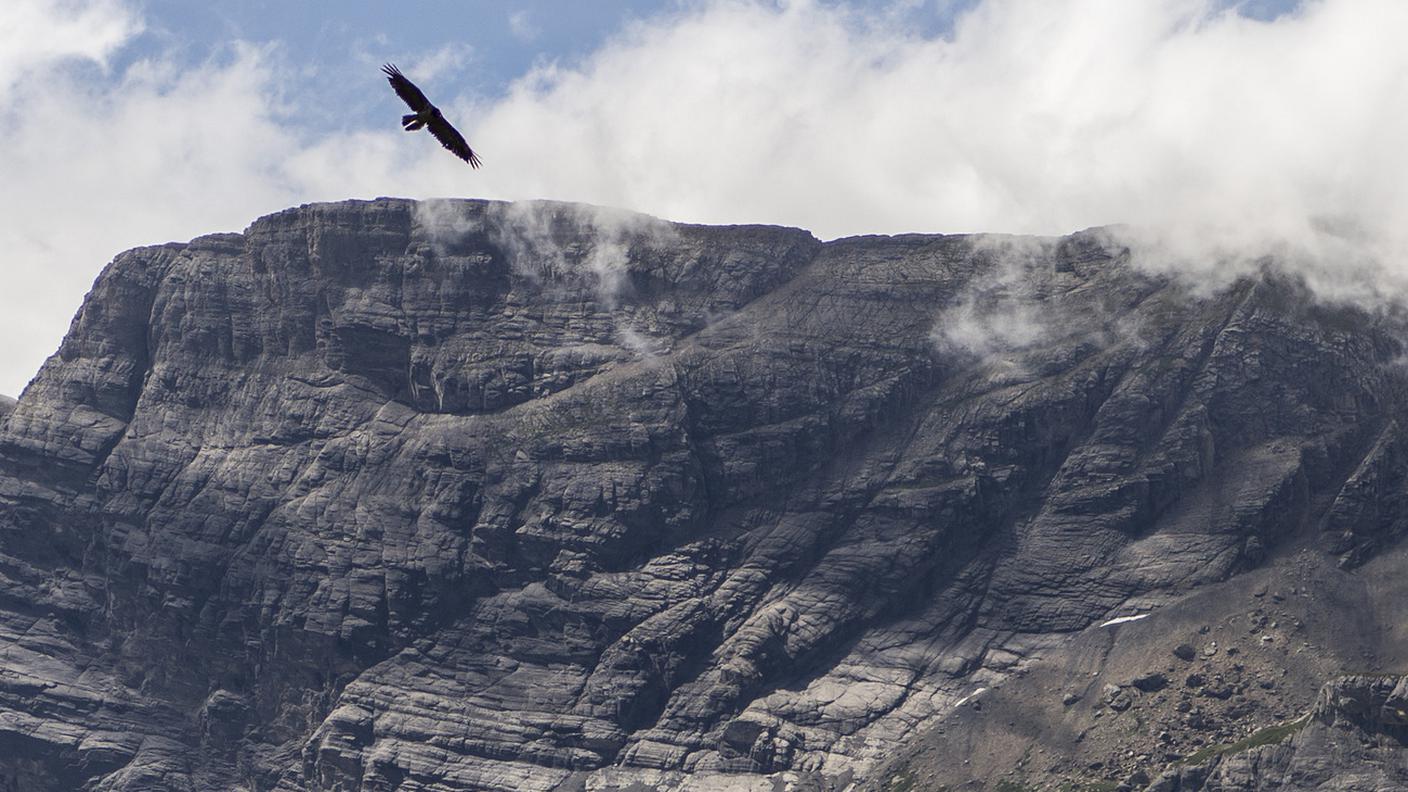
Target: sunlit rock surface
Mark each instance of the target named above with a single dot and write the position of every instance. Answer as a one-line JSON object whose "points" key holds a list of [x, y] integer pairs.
{"points": [[468, 495]]}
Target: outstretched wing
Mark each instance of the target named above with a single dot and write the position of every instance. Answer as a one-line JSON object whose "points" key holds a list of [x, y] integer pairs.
{"points": [[451, 139], [405, 89]]}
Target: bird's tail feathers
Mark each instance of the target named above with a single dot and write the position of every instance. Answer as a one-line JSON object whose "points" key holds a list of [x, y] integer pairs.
{"points": [[411, 123]]}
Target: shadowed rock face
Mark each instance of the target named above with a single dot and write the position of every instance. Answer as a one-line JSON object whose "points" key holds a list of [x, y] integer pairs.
{"points": [[466, 495]]}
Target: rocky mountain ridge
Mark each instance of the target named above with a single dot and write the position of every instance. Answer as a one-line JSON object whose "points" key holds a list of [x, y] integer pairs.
{"points": [[470, 495]]}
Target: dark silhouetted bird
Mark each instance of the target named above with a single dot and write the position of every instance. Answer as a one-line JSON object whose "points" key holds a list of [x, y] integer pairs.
{"points": [[428, 115]]}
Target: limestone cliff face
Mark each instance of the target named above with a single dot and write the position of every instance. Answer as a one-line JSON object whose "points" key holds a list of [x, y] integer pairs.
{"points": [[466, 495]]}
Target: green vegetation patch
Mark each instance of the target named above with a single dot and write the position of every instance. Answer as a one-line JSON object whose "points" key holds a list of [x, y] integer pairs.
{"points": [[1268, 736], [901, 782]]}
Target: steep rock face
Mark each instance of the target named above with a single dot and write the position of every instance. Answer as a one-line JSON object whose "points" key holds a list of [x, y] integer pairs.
{"points": [[467, 495]]}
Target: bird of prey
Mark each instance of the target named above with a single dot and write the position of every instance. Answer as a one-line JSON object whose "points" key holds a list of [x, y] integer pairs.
{"points": [[428, 115]]}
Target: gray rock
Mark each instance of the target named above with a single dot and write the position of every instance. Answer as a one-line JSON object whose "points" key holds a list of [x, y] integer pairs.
{"points": [[469, 495], [1352, 739], [1150, 682], [1116, 698]]}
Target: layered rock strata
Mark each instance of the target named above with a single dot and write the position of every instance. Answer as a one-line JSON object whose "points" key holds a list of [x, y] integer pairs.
{"points": [[468, 495]]}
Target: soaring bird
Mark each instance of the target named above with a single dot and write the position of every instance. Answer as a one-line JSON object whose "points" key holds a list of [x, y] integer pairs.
{"points": [[428, 115]]}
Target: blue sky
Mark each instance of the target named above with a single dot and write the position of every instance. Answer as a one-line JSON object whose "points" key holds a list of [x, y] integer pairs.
{"points": [[506, 37], [1229, 127], [336, 41]]}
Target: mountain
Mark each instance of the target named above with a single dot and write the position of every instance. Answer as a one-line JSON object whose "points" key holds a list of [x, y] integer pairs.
{"points": [[466, 495]]}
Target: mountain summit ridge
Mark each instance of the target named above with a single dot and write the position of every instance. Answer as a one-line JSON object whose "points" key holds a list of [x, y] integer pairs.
{"points": [[472, 495]]}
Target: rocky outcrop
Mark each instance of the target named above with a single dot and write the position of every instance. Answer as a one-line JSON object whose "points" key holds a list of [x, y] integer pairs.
{"points": [[468, 495], [1354, 738]]}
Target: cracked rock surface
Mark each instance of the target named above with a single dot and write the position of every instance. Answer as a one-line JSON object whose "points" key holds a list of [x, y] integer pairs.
{"points": [[464, 495]]}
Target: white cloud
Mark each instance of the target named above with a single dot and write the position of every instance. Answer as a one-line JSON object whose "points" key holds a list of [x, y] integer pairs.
{"points": [[446, 59], [1223, 138], [90, 172], [1219, 132], [38, 33], [1002, 312], [521, 25], [997, 326]]}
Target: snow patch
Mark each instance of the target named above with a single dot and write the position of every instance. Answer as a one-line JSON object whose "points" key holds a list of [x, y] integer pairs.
{"points": [[1123, 619], [970, 697]]}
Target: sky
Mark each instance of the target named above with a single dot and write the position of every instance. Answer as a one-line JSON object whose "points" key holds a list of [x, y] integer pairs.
{"points": [[1224, 131]]}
